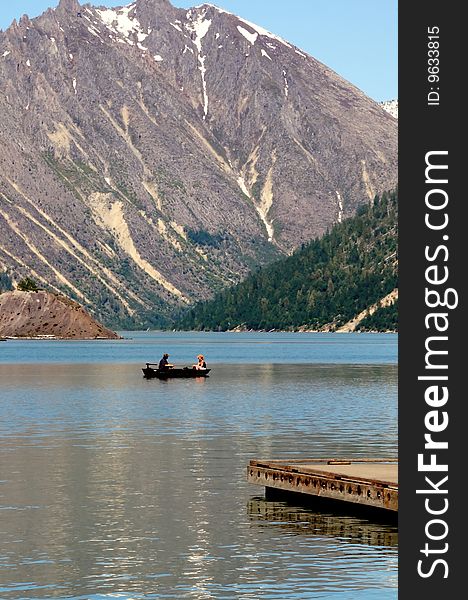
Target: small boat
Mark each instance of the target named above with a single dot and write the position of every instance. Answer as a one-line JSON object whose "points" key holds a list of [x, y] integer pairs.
{"points": [[151, 371]]}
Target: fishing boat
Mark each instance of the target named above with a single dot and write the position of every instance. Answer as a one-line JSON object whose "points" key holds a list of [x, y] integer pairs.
{"points": [[151, 371]]}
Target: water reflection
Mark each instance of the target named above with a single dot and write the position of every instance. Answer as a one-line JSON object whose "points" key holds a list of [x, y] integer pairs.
{"points": [[301, 520]]}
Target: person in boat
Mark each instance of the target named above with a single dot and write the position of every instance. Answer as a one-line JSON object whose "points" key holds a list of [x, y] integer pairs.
{"points": [[164, 363], [201, 364]]}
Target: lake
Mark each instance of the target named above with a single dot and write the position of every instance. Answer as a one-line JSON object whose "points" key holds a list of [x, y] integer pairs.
{"points": [[113, 486]]}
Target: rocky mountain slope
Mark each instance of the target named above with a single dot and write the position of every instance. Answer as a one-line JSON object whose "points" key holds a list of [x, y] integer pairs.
{"points": [[151, 155], [39, 314], [330, 284]]}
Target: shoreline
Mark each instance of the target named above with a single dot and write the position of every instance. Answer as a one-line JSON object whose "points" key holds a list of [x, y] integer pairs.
{"points": [[260, 331], [303, 331], [100, 339], [56, 338]]}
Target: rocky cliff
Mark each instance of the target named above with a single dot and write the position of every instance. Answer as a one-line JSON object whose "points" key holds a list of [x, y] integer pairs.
{"points": [[151, 155], [39, 314]]}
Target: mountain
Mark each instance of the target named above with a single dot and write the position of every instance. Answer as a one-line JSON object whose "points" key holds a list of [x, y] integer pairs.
{"points": [[345, 281], [150, 156], [42, 314], [391, 106]]}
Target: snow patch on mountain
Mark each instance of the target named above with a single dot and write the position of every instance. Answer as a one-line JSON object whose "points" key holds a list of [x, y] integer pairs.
{"points": [[391, 106], [250, 37], [286, 84], [93, 32], [264, 32], [259, 30], [121, 22], [199, 26]]}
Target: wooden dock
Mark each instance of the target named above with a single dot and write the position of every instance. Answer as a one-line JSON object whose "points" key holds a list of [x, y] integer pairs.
{"points": [[371, 483]]}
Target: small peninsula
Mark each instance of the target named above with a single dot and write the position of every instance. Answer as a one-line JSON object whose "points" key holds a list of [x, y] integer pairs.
{"points": [[42, 314]]}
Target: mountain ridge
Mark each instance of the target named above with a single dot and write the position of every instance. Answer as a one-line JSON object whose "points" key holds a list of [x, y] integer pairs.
{"points": [[151, 155]]}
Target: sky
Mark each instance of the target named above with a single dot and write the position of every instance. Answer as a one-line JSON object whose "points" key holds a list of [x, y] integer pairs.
{"points": [[355, 38]]}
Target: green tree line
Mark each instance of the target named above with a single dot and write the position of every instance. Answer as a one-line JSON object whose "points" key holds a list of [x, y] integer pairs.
{"points": [[327, 281]]}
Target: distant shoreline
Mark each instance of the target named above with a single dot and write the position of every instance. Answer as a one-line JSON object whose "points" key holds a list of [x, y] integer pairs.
{"points": [[49, 338], [264, 331]]}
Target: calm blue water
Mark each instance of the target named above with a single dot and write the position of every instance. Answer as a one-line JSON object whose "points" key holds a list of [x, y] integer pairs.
{"points": [[266, 348], [112, 486]]}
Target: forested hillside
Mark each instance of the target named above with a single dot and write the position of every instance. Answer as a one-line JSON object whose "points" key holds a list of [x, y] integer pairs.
{"points": [[322, 286]]}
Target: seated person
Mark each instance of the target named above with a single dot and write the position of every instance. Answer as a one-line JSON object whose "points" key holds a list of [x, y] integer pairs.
{"points": [[164, 364], [201, 364]]}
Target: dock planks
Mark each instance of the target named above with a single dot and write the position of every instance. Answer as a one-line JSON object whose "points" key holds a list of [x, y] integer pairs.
{"points": [[365, 482]]}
